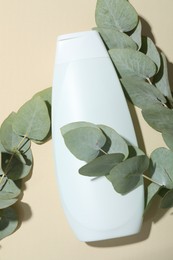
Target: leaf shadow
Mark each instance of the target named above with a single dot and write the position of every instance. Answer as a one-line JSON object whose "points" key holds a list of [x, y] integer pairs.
{"points": [[147, 31]]}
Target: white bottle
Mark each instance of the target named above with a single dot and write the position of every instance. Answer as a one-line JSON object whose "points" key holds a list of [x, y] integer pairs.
{"points": [[86, 88]]}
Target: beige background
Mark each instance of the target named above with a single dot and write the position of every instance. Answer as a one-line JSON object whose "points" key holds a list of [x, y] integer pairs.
{"points": [[28, 31]]}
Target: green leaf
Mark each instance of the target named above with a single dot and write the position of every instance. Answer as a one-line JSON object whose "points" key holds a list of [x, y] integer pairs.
{"points": [[46, 95], [127, 174], [136, 35], [5, 203], [149, 48], [32, 120], [84, 142], [14, 168], [141, 93], [152, 190], [132, 63], [168, 138], [102, 165], [134, 151], [8, 222], [161, 170], [118, 14], [161, 79], [9, 191], [9, 139], [159, 117], [115, 143], [115, 39], [167, 201]]}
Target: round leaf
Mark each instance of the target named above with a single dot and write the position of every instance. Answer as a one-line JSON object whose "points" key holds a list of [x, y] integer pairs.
{"points": [[118, 14], [136, 35], [8, 222], [16, 169], [127, 174], [159, 117], [168, 138], [167, 201], [9, 190], [9, 139], [84, 142], [115, 143], [141, 93], [161, 170], [102, 165], [115, 39], [32, 120], [132, 63]]}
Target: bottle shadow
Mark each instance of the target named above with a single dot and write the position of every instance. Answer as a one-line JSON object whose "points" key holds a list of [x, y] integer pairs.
{"points": [[152, 216]]}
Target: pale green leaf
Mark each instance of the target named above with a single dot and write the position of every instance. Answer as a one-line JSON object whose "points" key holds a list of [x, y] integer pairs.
{"points": [[116, 39], [101, 165], [161, 79], [127, 175], [118, 14], [161, 170], [141, 93], [132, 63], [9, 190], [32, 120], [114, 143], [5, 203], [152, 190], [136, 35], [167, 201], [46, 95], [150, 49], [84, 142], [15, 168], [159, 117], [168, 138], [8, 222], [9, 139], [71, 126]]}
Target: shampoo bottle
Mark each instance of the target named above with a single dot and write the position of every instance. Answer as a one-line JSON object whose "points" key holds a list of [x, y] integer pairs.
{"points": [[86, 88]]}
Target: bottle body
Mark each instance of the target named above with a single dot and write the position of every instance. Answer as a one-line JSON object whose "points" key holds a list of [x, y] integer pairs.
{"points": [[86, 88]]}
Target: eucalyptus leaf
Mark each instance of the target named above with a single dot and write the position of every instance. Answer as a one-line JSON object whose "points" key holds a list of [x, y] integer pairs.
{"points": [[132, 63], [9, 191], [84, 142], [9, 139], [8, 222], [14, 168], [72, 126], [32, 120], [152, 190], [161, 79], [128, 174], [141, 93], [118, 14], [167, 201], [168, 138], [46, 95], [101, 165], [116, 39], [114, 143], [150, 49], [159, 117], [136, 35], [5, 203], [161, 170], [134, 151]]}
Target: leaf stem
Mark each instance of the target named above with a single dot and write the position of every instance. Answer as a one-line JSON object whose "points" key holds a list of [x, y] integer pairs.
{"points": [[11, 158], [101, 150], [151, 180]]}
